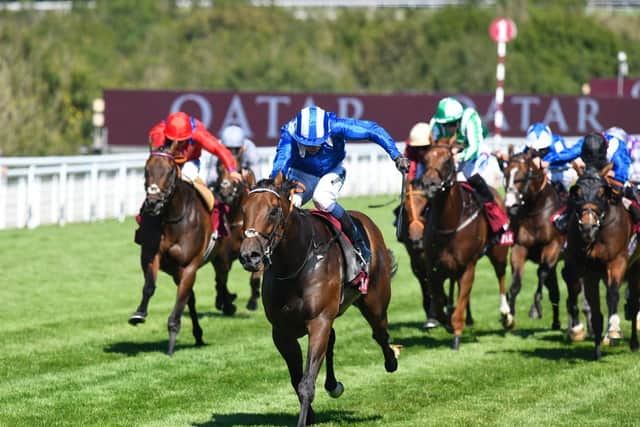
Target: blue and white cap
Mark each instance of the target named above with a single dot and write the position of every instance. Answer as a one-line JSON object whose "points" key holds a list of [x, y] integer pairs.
{"points": [[539, 136], [311, 126]]}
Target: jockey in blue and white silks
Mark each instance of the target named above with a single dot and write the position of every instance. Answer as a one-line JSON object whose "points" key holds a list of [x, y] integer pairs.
{"points": [[310, 152], [555, 154]]}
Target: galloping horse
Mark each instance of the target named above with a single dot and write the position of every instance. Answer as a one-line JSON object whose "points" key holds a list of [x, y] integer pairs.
{"points": [[411, 235], [597, 242], [231, 195], [175, 238], [530, 201], [303, 288], [456, 235]]}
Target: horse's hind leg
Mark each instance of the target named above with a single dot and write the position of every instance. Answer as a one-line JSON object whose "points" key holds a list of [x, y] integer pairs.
{"points": [[333, 386], [633, 302], [498, 257], [197, 330], [150, 266], [254, 282], [592, 293], [182, 297], [376, 316], [457, 320], [224, 299], [554, 296], [575, 330]]}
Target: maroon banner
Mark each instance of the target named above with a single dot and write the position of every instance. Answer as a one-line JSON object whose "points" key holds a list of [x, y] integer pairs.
{"points": [[130, 114], [608, 87]]}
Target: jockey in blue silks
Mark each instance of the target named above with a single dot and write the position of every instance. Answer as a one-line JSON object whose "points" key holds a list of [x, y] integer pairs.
{"points": [[310, 153]]}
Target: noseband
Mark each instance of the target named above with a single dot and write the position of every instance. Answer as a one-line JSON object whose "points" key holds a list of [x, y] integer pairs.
{"points": [[446, 182], [154, 189], [273, 238]]}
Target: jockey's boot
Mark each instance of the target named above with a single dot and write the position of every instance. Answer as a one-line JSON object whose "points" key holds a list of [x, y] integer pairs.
{"points": [[352, 232], [497, 218]]}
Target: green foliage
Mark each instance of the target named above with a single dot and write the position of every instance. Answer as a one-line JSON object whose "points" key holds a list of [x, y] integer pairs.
{"points": [[52, 65]]}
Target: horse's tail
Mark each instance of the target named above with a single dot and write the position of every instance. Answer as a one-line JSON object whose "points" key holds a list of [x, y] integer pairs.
{"points": [[393, 263]]}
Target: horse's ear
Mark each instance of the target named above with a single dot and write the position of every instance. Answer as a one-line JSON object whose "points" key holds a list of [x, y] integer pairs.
{"points": [[510, 150], [277, 181], [605, 170]]}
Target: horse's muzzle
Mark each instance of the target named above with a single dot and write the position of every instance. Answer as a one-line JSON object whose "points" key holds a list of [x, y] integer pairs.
{"points": [[588, 232], [251, 255], [153, 206]]}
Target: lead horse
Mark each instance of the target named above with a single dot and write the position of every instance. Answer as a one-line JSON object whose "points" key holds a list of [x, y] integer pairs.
{"points": [[303, 287], [176, 237]]}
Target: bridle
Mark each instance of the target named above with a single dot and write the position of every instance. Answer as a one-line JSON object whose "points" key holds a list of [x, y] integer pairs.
{"points": [[592, 206], [446, 182], [277, 233], [165, 196], [527, 179]]}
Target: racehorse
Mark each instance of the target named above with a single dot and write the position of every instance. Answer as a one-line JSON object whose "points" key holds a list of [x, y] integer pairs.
{"points": [[456, 235], [597, 241], [230, 197], [411, 235], [530, 200], [303, 287], [175, 238]]}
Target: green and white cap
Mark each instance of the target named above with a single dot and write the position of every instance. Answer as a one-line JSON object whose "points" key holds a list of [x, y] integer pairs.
{"points": [[449, 110]]}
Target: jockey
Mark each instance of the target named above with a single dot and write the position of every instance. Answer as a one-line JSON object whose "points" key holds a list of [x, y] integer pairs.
{"points": [[596, 150], [452, 118], [553, 154], [310, 153], [242, 148]]}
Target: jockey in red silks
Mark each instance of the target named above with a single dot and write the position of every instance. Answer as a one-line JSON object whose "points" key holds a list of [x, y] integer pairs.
{"points": [[191, 137]]}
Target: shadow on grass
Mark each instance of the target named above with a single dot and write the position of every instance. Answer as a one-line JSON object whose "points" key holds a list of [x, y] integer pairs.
{"points": [[284, 419], [135, 348], [219, 314], [566, 353]]}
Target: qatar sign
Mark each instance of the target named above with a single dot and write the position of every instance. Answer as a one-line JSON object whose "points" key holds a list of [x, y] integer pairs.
{"points": [[130, 114]]}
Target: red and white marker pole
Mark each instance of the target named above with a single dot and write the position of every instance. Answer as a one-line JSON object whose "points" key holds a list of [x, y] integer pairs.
{"points": [[502, 31]]}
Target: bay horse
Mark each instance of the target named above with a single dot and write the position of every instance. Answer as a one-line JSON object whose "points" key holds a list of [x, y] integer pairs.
{"points": [[597, 239], [411, 235], [230, 195], [531, 200], [175, 238], [456, 235], [303, 285]]}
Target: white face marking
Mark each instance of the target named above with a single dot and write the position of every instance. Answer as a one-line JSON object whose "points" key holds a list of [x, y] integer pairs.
{"points": [[511, 198], [153, 189]]}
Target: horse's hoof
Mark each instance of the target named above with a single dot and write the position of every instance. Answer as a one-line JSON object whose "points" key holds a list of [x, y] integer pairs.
{"points": [[391, 364], [336, 392], [508, 321], [555, 326], [577, 333], [252, 305], [535, 312], [598, 353], [137, 318], [430, 324], [456, 343], [633, 345], [199, 343], [469, 322], [229, 309], [219, 302]]}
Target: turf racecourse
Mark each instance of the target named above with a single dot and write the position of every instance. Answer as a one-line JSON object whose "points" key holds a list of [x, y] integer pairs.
{"points": [[70, 358]]}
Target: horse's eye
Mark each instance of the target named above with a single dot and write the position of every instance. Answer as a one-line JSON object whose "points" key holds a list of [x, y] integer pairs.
{"points": [[274, 212]]}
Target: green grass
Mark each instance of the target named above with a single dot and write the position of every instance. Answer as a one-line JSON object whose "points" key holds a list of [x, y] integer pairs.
{"points": [[70, 358]]}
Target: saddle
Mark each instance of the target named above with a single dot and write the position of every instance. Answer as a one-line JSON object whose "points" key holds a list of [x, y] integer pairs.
{"points": [[354, 273]]}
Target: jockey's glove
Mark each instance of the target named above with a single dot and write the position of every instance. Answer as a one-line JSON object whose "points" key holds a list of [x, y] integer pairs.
{"points": [[402, 163]]}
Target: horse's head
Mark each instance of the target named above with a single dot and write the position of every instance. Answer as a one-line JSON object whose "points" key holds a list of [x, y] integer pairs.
{"points": [[264, 215], [414, 204], [229, 191], [519, 174], [439, 169], [161, 174], [590, 196]]}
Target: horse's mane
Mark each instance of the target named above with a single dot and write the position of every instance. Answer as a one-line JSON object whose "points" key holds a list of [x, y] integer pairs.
{"points": [[269, 183]]}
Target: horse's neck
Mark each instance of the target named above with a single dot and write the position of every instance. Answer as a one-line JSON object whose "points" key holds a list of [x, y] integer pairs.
{"points": [[181, 202], [541, 196], [297, 237], [235, 208], [447, 207]]}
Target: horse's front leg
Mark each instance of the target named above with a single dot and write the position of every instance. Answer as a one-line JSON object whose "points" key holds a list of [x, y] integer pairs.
{"points": [[254, 283], [185, 286], [291, 352], [592, 294], [150, 264], [575, 330], [634, 302], [457, 320], [547, 276], [193, 314], [615, 276], [518, 258], [319, 332]]}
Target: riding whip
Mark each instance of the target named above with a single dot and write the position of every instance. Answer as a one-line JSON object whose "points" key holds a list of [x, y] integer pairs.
{"points": [[401, 211]]}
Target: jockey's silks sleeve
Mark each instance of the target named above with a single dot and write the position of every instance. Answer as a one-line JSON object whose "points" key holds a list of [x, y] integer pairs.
{"points": [[283, 153], [471, 127], [352, 129], [560, 153]]}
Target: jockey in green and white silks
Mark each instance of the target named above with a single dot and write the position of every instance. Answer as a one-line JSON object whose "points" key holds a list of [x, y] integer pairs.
{"points": [[452, 118]]}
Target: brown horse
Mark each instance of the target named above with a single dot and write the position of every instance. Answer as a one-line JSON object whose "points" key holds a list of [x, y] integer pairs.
{"points": [[530, 201], [597, 241], [456, 235], [231, 195], [175, 238], [411, 235], [303, 288]]}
